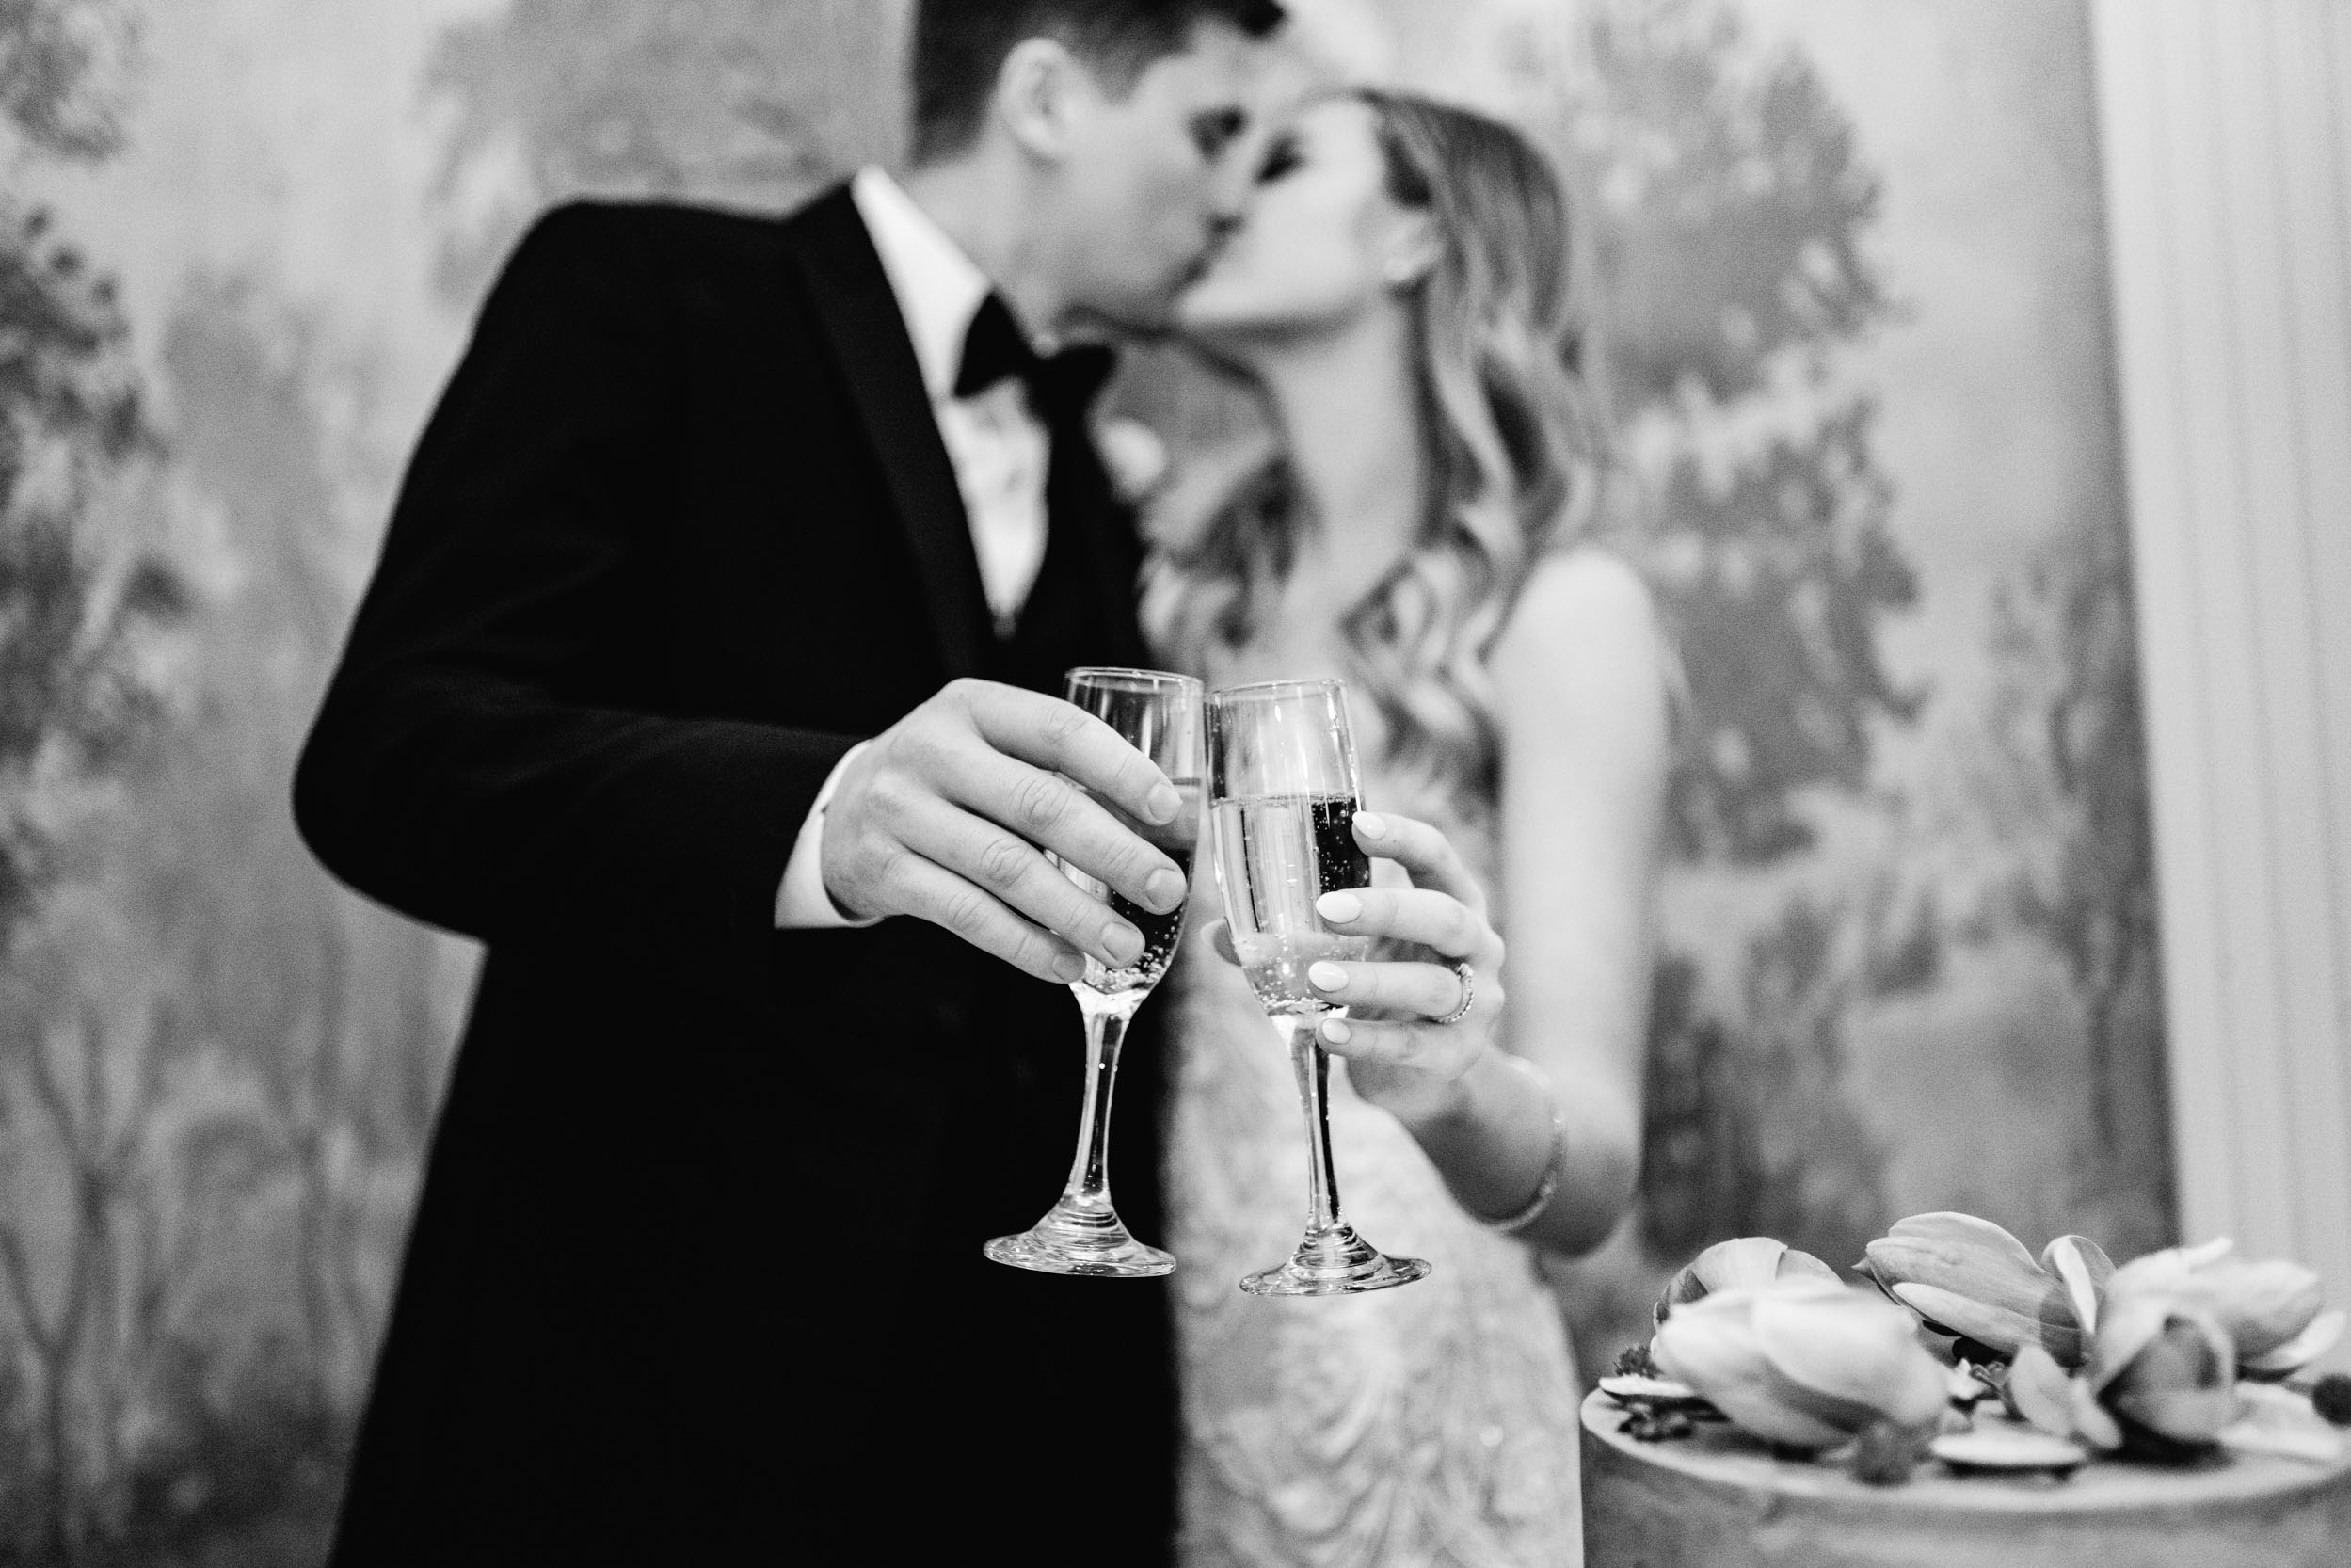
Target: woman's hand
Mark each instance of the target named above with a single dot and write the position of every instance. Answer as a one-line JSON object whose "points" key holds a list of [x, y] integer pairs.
{"points": [[1401, 1055]]}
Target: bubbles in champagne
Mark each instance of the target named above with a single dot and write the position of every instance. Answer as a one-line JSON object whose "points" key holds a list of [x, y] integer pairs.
{"points": [[1275, 856], [1160, 932]]}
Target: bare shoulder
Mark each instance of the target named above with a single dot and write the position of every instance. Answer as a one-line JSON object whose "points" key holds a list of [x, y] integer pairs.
{"points": [[1585, 613]]}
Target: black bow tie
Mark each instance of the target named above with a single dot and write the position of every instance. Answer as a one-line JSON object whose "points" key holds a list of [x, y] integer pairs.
{"points": [[994, 348]]}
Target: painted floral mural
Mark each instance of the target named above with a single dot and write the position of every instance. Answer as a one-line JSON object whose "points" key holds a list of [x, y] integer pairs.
{"points": [[1853, 300]]}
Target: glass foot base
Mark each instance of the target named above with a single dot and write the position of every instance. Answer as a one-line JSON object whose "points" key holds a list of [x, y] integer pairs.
{"points": [[1337, 1262], [1076, 1242]]}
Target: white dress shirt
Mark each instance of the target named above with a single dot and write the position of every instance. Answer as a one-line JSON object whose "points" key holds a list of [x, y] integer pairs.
{"points": [[997, 445]]}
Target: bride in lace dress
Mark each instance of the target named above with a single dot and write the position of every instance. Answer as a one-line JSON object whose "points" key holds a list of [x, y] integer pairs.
{"points": [[1399, 293]]}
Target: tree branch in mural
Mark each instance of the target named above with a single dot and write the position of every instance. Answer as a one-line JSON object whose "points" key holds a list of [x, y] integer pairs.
{"points": [[78, 592], [738, 102], [72, 599], [1733, 209]]}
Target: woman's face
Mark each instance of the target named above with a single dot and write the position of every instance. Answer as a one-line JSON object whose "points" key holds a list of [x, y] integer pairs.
{"points": [[1318, 244]]}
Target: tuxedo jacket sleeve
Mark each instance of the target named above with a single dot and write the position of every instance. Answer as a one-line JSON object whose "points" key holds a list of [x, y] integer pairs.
{"points": [[479, 762]]}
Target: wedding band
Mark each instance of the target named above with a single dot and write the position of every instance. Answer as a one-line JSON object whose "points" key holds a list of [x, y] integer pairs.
{"points": [[1469, 992]]}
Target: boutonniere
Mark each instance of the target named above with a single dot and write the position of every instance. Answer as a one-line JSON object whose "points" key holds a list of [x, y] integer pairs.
{"points": [[1134, 456]]}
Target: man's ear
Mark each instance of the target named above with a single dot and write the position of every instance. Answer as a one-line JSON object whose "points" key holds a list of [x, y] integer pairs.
{"points": [[1037, 89], [1411, 250]]}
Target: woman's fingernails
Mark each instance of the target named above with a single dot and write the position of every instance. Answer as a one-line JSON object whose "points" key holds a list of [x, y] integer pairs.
{"points": [[1370, 826], [1341, 907], [1327, 977], [1164, 802], [1071, 967], [1123, 942], [1166, 890], [1336, 1031]]}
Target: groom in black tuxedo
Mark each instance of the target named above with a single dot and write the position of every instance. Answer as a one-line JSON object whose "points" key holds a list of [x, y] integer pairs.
{"points": [[700, 678]]}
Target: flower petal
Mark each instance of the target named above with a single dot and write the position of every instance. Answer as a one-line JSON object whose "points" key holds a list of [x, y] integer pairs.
{"points": [[2182, 1384], [2261, 1306], [1710, 1344], [2038, 1390], [2275, 1421], [1803, 1265], [2092, 1423], [2126, 1325], [1968, 1260], [2004, 1325], [2083, 1268], [2167, 1268], [2296, 1352], [1962, 1238], [1743, 1263], [2195, 1416], [1849, 1348]]}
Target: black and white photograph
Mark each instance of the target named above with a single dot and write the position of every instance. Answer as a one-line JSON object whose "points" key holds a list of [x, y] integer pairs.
{"points": [[1657, 687]]}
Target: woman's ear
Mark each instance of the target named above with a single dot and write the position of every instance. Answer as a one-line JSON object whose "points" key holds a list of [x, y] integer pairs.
{"points": [[1411, 249], [1035, 88]]}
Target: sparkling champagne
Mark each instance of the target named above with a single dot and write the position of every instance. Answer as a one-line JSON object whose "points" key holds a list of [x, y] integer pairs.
{"points": [[1160, 932], [1276, 854]]}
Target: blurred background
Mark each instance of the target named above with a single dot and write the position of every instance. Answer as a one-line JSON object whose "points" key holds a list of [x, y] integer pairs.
{"points": [[1987, 370]]}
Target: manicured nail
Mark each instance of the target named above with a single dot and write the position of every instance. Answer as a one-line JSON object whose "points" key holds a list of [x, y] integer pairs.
{"points": [[1370, 826], [1327, 977], [1341, 907], [1164, 802], [1071, 967], [1336, 1031], [1123, 942], [1165, 890]]}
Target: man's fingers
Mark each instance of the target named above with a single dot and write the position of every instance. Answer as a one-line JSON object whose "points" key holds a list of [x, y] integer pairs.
{"points": [[999, 862], [1063, 738], [1053, 813], [1220, 935], [1422, 915], [1421, 850], [934, 893]]}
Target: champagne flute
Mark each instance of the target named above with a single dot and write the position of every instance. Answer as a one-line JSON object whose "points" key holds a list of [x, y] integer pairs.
{"points": [[1160, 716], [1284, 793]]}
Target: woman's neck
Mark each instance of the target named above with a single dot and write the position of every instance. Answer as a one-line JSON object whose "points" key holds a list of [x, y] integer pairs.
{"points": [[1351, 426]]}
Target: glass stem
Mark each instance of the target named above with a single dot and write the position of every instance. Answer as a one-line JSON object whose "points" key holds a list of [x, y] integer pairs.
{"points": [[1088, 1186], [1312, 1065]]}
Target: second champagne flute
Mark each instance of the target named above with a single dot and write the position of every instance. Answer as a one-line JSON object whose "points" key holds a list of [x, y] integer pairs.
{"points": [[1160, 716], [1284, 795]]}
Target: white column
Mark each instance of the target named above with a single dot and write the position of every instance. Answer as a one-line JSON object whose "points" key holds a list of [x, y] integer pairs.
{"points": [[2226, 133]]}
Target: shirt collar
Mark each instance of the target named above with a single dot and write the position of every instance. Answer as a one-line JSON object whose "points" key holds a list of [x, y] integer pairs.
{"points": [[938, 287]]}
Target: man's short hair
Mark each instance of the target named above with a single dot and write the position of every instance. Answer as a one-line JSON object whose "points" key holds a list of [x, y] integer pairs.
{"points": [[960, 46]]}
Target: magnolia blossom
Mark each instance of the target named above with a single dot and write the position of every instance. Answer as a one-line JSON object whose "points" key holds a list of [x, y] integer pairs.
{"points": [[2269, 1311], [2171, 1334], [2167, 1366], [1967, 1276], [1801, 1361]]}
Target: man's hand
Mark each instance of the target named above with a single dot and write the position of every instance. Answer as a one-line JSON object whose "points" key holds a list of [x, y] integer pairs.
{"points": [[945, 817]]}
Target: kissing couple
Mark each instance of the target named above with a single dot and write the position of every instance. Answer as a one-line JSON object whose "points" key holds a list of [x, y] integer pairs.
{"points": [[706, 676]]}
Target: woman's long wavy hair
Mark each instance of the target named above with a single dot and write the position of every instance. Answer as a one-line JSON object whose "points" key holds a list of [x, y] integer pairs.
{"points": [[1515, 456]]}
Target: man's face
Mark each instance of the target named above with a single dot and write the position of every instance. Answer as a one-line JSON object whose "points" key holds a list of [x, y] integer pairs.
{"points": [[1154, 178]]}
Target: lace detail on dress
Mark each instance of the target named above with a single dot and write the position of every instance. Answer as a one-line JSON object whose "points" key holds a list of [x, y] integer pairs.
{"points": [[1432, 1424]]}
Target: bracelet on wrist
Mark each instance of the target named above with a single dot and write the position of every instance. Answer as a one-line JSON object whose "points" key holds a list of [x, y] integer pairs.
{"points": [[1511, 1224]]}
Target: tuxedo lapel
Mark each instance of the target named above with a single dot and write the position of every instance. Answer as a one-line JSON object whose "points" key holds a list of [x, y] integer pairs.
{"points": [[860, 318]]}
